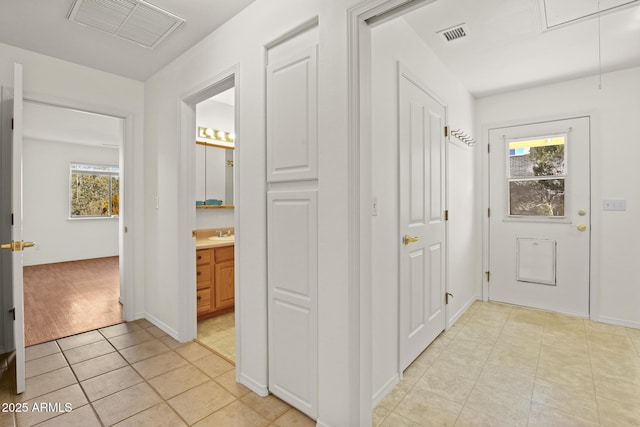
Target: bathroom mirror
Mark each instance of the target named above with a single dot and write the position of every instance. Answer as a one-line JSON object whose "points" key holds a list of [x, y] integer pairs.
{"points": [[214, 176]]}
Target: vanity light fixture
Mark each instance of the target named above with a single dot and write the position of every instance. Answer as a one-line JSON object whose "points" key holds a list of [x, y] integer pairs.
{"points": [[218, 135]]}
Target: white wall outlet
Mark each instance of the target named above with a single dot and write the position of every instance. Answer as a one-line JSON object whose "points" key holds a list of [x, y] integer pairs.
{"points": [[614, 205]]}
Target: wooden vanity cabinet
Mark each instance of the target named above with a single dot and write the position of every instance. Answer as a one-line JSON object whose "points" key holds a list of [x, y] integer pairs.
{"points": [[215, 280]]}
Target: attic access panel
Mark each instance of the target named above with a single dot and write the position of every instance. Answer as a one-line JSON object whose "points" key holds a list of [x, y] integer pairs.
{"points": [[560, 12], [133, 20]]}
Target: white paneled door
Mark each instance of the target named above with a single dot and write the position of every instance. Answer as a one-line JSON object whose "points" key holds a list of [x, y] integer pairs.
{"points": [[422, 222], [539, 215], [17, 244], [292, 229]]}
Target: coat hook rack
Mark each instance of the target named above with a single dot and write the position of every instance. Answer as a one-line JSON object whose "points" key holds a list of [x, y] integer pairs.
{"points": [[463, 137]]}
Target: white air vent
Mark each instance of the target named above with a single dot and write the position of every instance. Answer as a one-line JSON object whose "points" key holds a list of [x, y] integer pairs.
{"points": [[453, 33], [133, 20]]}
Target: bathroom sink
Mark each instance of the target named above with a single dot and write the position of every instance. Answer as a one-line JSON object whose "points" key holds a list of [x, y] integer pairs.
{"points": [[222, 239]]}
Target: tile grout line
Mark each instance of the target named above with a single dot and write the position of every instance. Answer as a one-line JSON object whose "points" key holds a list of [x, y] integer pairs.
{"points": [[78, 383], [164, 401], [593, 380]]}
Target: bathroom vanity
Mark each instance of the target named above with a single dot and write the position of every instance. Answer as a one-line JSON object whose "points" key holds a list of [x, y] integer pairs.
{"points": [[214, 272]]}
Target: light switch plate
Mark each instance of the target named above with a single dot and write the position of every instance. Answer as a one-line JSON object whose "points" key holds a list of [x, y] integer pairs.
{"points": [[614, 205]]}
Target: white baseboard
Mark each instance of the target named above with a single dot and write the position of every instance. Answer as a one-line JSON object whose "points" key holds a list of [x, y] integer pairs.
{"points": [[257, 388], [385, 389], [619, 322], [460, 312], [165, 328]]}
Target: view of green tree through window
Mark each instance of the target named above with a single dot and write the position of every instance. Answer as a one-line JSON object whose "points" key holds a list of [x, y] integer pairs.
{"points": [[537, 174], [94, 191]]}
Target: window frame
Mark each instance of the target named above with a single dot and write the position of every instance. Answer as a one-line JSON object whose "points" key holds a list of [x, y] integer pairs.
{"points": [[93, 169]]}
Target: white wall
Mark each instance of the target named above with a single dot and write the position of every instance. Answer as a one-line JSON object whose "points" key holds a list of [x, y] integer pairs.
{"points": [[234, 44], [392, 42], [67, 84], [615, 172], [46, 204]]}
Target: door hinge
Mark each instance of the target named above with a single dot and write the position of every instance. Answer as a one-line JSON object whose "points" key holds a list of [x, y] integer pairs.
{"points": [[11, 123], [446, 215], [13, 313], [489, 212], [488, 148], [446, 131], [194, 233], [11, 219], [488, 273], [446, 297]]}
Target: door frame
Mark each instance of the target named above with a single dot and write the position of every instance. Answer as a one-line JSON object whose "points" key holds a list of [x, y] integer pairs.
{"points": [[188, 322], [594, 196], [127, 251], [360, 198]]}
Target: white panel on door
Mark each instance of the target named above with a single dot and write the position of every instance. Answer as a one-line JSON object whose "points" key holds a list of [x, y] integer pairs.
{"points": [[435, 272], [416, 262], [417, 156], [292, 118], [436, 161], [292, 291]]}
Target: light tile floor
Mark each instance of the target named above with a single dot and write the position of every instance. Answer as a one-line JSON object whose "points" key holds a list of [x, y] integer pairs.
{"points": [[219, 334], [132, 374], [502, 365], [499, 365]]}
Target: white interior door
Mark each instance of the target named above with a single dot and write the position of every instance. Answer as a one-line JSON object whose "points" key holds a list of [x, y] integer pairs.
{"points": [[422, 224], [292, 229], [539, 215], [17, 244]]}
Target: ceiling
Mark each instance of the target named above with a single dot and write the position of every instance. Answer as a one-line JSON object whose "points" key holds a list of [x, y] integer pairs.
{"points": [[42, 26], [509, 44]]}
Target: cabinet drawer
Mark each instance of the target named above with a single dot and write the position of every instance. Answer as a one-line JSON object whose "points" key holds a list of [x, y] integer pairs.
{"points": [[204, 300], [203, 274], [203, 256], [224, 254]]}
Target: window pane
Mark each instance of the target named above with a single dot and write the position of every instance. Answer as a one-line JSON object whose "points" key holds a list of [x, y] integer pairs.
{"points": [[537, 157], [543, 197], [89, 195], [115, 196]]}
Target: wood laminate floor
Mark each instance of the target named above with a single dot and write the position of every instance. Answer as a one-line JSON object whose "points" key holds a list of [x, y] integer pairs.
{"points": [[67, 298]]}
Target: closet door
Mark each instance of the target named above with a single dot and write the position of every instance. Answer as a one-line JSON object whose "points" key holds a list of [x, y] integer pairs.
{"points": [[292, 227]]}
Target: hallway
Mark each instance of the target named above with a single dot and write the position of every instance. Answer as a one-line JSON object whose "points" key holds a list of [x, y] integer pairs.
{"points": [[503, 365], [133, 374]]}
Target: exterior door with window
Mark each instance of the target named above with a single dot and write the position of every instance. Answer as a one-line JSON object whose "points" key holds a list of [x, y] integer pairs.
{"points": [[539, 215]]}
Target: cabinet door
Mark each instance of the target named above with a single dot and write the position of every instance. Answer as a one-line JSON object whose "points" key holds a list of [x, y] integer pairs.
{"points": [[223, 285]]}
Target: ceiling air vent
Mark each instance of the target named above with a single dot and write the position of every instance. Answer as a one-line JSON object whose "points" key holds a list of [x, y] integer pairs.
{"points": [[454, 33], [133, 20]]}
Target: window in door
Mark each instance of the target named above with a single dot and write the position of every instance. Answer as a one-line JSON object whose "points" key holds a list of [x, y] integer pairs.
{"points": [[536, 174]]}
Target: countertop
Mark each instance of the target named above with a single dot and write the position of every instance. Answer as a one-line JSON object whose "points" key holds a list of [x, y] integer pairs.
{"points": [[206, 243], [203, 242]]}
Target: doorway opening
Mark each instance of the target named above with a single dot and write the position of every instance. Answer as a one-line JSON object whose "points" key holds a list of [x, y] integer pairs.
{"points": [[72, 204], [215, 222]]}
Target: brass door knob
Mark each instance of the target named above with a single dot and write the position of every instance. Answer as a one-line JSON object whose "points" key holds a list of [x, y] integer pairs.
{"points": [[581, 227], [17, 246], [406, 239]]}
